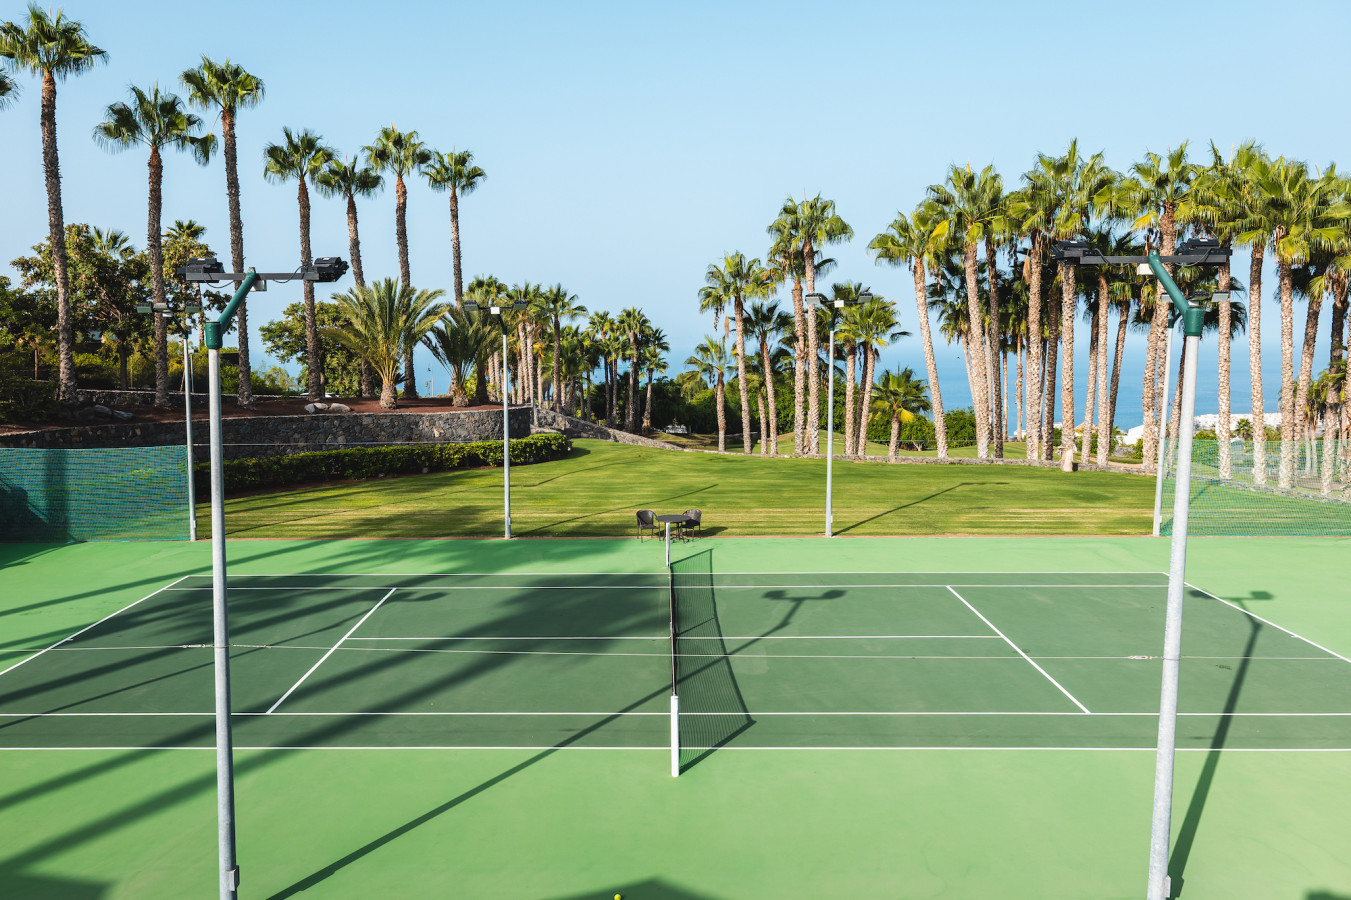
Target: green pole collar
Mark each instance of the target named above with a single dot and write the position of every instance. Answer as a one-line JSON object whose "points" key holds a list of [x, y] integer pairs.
{"points": [[1193, 321]]}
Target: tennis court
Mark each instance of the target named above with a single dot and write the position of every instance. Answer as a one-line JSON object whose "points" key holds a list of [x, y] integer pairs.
{"points": [[767, 661], [492, 719]]}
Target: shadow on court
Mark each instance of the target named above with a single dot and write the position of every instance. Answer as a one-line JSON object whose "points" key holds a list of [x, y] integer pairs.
{"points": [[656, 889], [1191, 820]]}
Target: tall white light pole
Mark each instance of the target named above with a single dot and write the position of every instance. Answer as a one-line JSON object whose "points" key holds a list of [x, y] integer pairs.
{"points": [[1173, 315], [813, 301], [498, 311]]}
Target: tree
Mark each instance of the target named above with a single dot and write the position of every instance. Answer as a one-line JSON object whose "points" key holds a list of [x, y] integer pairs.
{"points": [[633, 324], [785, 257], [9, 90], [286, 340], [383, 322], [653, 358], [455, 173], [968, 203], [557, 304], [897, 398], [155, 120], [740, 279], [766, 324], [54, 48], [227, 87], [302, 156], [462, 341], [915, 241], [709, 364], [401, 154], [875, 326], [345, 178]]}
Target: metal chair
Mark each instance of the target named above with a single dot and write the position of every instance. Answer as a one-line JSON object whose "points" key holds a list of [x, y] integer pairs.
{"points": [[647, 521], [694, 520]]}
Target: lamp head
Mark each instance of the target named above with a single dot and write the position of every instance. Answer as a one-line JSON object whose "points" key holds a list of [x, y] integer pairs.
{"points": [[326, 269], [201, 268], [814, 300]]}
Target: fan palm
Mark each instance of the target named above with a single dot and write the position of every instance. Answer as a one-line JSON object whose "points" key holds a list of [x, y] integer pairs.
{"points": [[486, 290], [602, 325], [653, 358], [401, 154], [9, 90], [740, 279], [455, 173], [785, 258], [384, 321], [709, 365], [967, 201], [897, 398], [632, 323], [53, 47], [558, 305], [875, 326], [155, 120], [302, 156], [914, 240], [766, 324], [227, 87], [459, 342], [345, 178]]}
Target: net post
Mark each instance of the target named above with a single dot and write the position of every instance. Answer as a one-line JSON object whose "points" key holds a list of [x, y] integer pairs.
{"points": [[675, 736], [668, 544]]}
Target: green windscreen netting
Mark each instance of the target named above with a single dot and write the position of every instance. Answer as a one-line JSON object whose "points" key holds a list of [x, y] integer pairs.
{"points": [[1299, 488], [107, 494]]}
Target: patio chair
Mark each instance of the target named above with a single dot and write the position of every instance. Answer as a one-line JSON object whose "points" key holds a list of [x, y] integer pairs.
{"points": [[647, 521], [694, 519]]}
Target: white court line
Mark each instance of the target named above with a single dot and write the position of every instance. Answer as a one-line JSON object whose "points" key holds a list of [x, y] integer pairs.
{"points": [[334, 647], [667, 749], [1258, 618], [654, 575], [655, 587], [667, 637], [72, 637], [666, 714], [1018, 650]]}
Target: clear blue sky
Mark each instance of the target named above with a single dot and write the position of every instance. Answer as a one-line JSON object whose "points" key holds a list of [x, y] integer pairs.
{"points": [[630, 145]]}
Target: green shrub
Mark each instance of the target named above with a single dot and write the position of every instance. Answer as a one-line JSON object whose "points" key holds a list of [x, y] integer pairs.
{"points": [[375, 462], [26, 400]]}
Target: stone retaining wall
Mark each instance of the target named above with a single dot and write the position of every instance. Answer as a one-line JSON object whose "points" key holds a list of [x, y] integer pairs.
{"points": [[280, 435], [577, 428], [147, 398]]}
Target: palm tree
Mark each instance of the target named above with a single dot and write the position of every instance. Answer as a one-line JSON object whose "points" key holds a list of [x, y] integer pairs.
{"points": [[709, 364], [967, 202], [486, 290], [810, 226], [384, 321], [1157, 186], [741, 279], [875, 326], [9, 90], [155, 120], [653, 358], [766, 324], [785, 258], [459, 341], [345, 178], [302, 156], [228, 87], [558, 305], [915, 241], [1301, 209], [1255, 231], [181, 230], [898, 397], [401, 154], [455, 173], [55, 48], [632, 323]]}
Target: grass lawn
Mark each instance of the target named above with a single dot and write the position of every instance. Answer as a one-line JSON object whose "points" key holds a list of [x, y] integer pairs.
{"points": [[595, 491], [1012, 449]]}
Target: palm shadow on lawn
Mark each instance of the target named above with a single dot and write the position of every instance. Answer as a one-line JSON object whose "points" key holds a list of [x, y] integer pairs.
{"points": [[897, 509]]}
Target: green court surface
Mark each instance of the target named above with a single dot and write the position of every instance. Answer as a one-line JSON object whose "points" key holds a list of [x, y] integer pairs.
{"points": [[872, 717]]}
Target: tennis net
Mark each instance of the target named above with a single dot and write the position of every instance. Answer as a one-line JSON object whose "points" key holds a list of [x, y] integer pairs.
{"points": [[707, 708]]}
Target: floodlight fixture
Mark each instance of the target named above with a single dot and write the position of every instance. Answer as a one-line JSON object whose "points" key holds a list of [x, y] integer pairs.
{"points": [[326, 269], [144, 308], [813, 300], [865, 296], [202, 265]]}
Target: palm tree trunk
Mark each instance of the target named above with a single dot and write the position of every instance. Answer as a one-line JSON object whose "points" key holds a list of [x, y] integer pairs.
{"points": [[314, 357], [1288, 412], [1259, 427], [56, 232], [1306, 356], [1104, 426], [1019, 350], [1068, 307], [770, 437], [850, 358], [895, 437], [799, 369], [367, 385], [227, 128], [813, 435], [1225, 340], [1123, 320], [992, 344], [978, 361], [1048, 400], [405, 275], [558, 369], [153, 246], [1086, 442], [1034, 348], [1148, 398], [930, 362], [388, 399], [455, 246], [869, 364], [763, 403], [741, 375], [647, 407], [719, 397], [631, 414]]}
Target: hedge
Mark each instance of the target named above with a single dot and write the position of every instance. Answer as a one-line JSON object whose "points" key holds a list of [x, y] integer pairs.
{"points": [[376, 462]]}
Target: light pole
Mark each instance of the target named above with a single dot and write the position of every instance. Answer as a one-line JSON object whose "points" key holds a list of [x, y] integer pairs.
{"points": [[813, 301], [208, 269], [174, 313], [1198, 252], [497, 311], [1161, 457]]}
